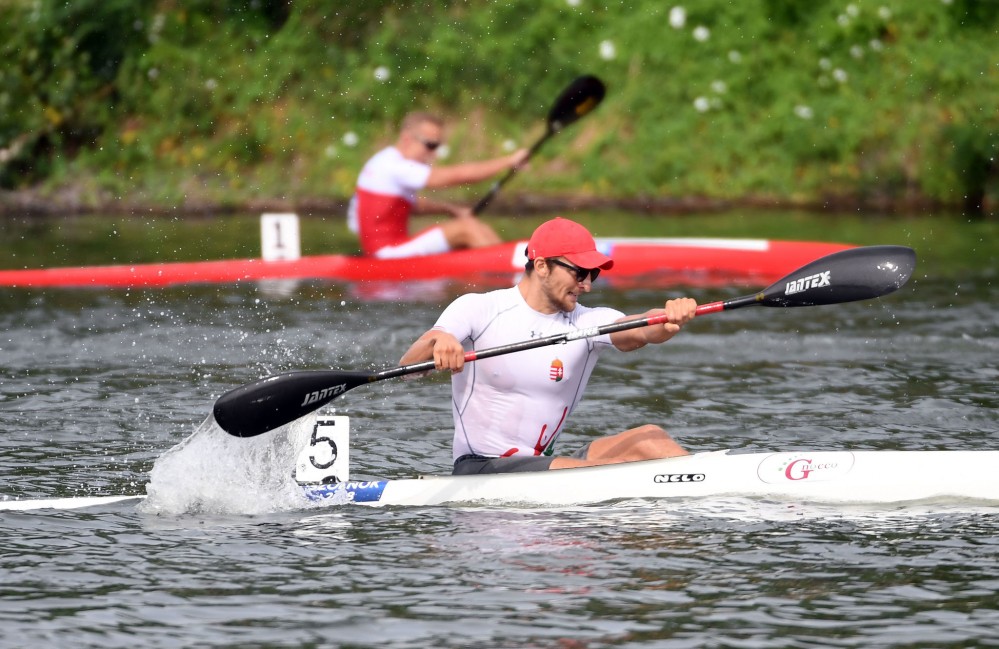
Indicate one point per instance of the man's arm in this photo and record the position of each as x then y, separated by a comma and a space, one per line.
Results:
473, 172
679, 311
426, 205
442, 347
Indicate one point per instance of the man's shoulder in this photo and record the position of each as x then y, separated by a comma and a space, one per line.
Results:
387, 155
389, 168
485, 304
497, 296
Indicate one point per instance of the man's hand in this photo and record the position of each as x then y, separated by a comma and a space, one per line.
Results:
445, 350
518, 159
679, 312
448, 352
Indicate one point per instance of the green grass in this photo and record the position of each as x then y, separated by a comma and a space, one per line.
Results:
176, 105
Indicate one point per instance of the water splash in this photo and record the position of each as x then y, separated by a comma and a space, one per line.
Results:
213, 472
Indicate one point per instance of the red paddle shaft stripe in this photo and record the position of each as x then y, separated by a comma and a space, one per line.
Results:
712, 307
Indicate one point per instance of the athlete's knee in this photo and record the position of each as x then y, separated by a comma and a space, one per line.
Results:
650, 432
456, 233
653, 441
477, 235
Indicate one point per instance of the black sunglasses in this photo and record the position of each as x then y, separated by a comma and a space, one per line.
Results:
581, 273
430, 144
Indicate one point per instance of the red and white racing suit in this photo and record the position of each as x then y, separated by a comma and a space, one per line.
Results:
383, 200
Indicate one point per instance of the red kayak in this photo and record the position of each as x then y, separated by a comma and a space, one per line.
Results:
636, 262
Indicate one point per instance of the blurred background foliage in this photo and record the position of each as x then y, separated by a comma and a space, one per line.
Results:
176, 104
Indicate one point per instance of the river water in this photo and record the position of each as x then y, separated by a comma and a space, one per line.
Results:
96, 386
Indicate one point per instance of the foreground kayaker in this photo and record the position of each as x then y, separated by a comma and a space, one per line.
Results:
387, 187
509, 410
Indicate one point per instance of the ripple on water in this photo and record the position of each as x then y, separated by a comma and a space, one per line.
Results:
96, 387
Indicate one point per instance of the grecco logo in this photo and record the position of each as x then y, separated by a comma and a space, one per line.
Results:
805, 467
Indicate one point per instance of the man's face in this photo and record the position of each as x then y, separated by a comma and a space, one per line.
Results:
561, 287
421, 141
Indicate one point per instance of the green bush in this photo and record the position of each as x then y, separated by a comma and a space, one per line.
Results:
57, 88
209, 101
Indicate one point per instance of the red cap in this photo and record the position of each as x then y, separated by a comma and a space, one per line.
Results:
564, 238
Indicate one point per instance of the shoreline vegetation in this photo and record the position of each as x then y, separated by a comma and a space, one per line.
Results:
198, 108
513, 203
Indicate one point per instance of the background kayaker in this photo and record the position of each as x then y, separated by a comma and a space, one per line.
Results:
386, 195
509, 410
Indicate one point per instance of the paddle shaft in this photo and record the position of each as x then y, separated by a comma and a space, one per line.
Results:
578, 99
477, 355
488, 198
555, 339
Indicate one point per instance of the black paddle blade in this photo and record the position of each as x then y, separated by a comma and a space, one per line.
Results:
582, 96
264, 405
845, 276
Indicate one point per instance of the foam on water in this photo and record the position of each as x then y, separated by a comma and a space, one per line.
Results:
214, 472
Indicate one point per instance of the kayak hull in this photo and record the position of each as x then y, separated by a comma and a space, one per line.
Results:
636, 260
809, 477
834, 477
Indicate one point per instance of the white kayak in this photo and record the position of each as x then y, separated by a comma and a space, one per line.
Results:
875, 477
322, 470
65, 503
827, 477
844, 477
